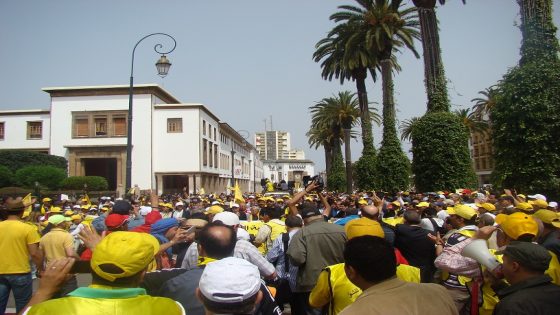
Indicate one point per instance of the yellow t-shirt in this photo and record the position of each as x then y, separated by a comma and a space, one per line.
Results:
253, 228
14, 238
55, 243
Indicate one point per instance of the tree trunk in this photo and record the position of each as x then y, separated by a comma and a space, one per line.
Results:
348, 158
389, 128
328, 157
367, 133
436, 85
538, 31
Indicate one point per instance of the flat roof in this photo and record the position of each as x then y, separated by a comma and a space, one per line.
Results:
94, 90
24, 112
188, 105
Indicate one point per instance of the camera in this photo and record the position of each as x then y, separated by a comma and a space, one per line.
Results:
317, 179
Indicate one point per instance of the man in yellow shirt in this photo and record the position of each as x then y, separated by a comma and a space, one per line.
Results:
57, 244
18, 241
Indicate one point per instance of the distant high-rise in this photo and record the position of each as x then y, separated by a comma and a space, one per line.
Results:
275, 145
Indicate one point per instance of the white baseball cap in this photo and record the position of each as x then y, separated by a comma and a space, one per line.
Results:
179, 203
144, 210
228, 218
230, 280
553, 204
537, 196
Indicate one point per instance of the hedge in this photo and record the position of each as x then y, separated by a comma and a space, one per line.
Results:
16, 159
48, 177
6, 176
95, 183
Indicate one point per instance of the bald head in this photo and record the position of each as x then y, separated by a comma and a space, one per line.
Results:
370, 211
217, 240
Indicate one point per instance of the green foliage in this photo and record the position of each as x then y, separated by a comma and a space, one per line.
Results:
441, 155
393, 167
15, 159
365, 170
336, 179
6, 176
94, 183
526, 128
47, 176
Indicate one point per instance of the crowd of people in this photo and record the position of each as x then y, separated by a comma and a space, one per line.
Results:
313, 252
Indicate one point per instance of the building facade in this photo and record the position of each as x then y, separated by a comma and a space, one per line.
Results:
291, 171
175, 147
482, 150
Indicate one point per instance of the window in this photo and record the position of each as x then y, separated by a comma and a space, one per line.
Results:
204, 127
209, 131
174, 125
1, 130
215, 134
211, 156
99, 124
119, 126
34, 129
215, 155
204, 152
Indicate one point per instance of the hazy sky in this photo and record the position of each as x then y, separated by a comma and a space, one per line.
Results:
246, 60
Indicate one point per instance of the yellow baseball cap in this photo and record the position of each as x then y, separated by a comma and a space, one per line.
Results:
362, 202
517, 224
68, 213
541, 204
214, 209
422, 204
525, 206
130, 252
76, 217
487, 206
363, 226
55, 210
47, 199
546, 216
463, 211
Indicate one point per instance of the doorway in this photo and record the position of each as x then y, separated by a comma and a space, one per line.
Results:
103, 167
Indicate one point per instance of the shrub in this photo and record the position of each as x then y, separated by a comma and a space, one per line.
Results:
48, 177
16, 159
336, 179
441, 159
6, 176
365, 171
94, 183
393, 168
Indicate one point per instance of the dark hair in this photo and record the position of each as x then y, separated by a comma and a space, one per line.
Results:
412, 217
243, 307
214, 246
372, 258
471, 221
198, 215
525, 238
294, 221
124, 282
508, 198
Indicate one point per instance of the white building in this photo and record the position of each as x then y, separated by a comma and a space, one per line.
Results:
175, 146
276, 145
291, 171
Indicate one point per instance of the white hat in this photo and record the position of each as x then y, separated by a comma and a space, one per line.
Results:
179, 203
537, 196
144, 210
230, 280
76, 206
215, 202
441, 196
235, 205
228, 218
553, 204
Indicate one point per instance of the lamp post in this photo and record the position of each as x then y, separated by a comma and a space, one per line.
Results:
253, 177
162, 66
232, 165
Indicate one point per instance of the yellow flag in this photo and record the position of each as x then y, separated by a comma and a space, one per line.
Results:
86, 199
27, 201
201, 191
238, 195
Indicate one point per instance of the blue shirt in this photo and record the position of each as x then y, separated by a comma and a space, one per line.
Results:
276, 256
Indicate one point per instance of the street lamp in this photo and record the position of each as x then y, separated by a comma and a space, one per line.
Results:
162, 66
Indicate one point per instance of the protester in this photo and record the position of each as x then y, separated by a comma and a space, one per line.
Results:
287, 272
57, 244
317, 245
271, 228
165, 231
118, 265
530, 291
550, 236
371, 266
233, 286
18, 242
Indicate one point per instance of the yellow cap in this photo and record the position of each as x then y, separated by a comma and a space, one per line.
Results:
214, 209
85, 206
129, 251
522, 196
422, 204
539, 203
487, 206
55, 210
546, 216
525, 206
362, 202
76, 217
47, 199
517, 224
68, 213
463, 211
363, 226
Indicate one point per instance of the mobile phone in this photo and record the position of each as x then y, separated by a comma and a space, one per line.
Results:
81, 266
189, 230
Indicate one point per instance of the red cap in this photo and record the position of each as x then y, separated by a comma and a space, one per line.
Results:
152, 217
115, 220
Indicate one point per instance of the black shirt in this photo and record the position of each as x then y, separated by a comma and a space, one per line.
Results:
415, 245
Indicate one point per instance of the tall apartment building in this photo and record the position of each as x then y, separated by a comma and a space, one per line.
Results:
272, 145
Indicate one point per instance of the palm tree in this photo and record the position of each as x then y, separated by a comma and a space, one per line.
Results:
483, 105
385, 27
341, 114
348, 62
472, 121
436, 86
406, 128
